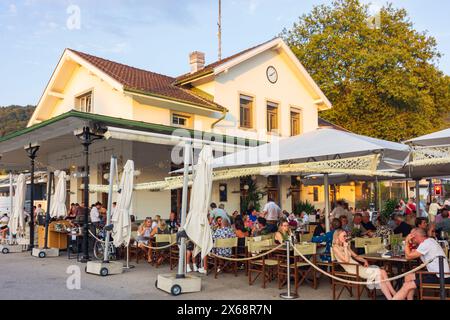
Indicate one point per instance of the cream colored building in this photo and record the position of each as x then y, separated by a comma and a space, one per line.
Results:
241, 101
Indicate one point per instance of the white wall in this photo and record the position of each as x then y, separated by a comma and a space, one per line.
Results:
106, 100
249, 78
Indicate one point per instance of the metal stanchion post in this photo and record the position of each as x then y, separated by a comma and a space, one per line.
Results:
288, 295
442, 277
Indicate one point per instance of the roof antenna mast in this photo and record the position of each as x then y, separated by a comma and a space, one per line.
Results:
219, 34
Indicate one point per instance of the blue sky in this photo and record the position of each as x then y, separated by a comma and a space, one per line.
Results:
156, 35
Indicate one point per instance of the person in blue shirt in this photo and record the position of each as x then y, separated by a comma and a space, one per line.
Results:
327, 238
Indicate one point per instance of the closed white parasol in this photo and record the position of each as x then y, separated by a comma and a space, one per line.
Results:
197, 224
58, 204
121, 216
17, 221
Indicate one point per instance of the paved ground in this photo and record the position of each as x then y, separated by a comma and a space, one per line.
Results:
26, 277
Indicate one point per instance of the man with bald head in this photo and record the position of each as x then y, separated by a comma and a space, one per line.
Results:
427, 250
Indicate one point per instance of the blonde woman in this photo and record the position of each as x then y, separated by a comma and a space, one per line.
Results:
344, 254
162, 228
143, 237
284, 233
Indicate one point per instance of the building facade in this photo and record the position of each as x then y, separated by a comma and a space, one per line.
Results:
253, 97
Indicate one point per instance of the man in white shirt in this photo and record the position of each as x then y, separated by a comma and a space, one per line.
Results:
95, 214
218, 212
272, 212
427, 250
433, 210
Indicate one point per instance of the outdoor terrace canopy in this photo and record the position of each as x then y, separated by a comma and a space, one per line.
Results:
318, 145
439, 138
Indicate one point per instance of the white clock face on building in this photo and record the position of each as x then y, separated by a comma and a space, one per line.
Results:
272, 74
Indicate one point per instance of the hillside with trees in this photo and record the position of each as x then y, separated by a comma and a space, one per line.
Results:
14, 118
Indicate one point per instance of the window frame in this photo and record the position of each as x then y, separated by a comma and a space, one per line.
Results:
187, 117
274, 105
79, 98
251, 98
299, 127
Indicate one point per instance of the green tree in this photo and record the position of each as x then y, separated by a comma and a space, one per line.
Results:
380, 74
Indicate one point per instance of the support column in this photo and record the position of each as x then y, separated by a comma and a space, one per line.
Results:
87, 137
327, 201
32, 150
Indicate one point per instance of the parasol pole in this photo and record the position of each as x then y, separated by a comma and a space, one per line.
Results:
112, 170
181, 263
47, 214
327, 201
11, 201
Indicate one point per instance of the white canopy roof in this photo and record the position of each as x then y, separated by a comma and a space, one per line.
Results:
439, 138
318, 145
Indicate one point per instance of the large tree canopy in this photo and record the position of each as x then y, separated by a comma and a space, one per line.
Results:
380, 74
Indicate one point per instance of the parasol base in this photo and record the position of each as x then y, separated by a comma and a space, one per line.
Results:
7, 248
104, 268
45, 253
288, 296
170, 284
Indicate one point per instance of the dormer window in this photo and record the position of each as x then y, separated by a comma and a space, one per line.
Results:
180, 120
84, 102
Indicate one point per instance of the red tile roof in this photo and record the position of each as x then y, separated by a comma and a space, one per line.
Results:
147, 82
210, 67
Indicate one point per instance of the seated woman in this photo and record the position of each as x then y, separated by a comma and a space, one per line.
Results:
162, 228
383, 230
241, 233
344, 254
4, 220
223, 232
284, 233
143, 236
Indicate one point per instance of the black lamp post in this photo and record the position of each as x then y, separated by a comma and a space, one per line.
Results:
32, 150
87, 137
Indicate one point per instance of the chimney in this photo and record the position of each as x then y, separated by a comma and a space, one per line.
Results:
197, 61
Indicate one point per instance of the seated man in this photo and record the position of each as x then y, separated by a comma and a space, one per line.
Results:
427, 250
327, 238
320, 229
402, 227
444, 225
261, 228
344, 224
367, 224
357, 228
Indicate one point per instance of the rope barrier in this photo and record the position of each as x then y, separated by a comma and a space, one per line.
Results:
159, 248
213, 255
149, 247
357, 282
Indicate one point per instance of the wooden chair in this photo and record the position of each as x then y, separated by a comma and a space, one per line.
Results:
174, 252
133, 248
164, 254
373, 248
299, 267
429, 291
339, 271
264, 266
222, 263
